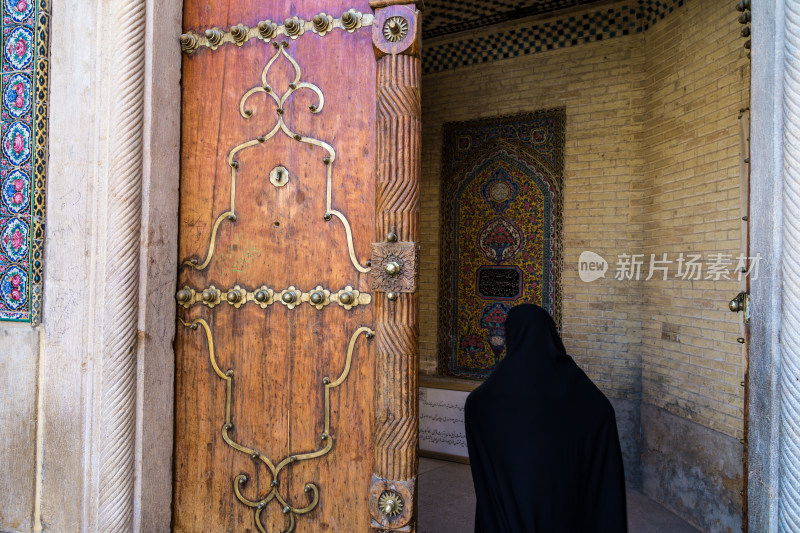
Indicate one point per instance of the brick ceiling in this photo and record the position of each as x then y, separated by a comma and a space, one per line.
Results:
443, 17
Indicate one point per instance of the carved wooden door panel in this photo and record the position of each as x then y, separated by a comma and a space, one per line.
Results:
296, 362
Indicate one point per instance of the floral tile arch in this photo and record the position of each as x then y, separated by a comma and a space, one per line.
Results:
24, 65
501, 232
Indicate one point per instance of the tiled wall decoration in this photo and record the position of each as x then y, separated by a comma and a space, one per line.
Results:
24, 65
655, 10
501, 232
596, 25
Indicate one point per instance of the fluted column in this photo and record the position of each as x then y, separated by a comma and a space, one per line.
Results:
123, 246
789, 508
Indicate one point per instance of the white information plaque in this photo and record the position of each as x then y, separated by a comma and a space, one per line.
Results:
441, 424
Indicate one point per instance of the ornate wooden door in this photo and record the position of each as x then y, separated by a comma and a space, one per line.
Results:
296, 369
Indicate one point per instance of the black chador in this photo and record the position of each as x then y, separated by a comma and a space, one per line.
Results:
543, 440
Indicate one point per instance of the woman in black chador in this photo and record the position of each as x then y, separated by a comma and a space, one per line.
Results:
542, 440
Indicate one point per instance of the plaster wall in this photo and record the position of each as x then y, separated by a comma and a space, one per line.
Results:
37, 351
692, 470
764, 447
19, 345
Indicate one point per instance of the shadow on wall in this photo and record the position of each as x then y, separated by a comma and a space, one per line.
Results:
629, 427
692, 470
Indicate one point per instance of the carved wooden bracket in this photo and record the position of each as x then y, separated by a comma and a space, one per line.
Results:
391, 503
394, 266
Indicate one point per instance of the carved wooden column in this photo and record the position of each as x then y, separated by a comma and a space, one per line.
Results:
395, 36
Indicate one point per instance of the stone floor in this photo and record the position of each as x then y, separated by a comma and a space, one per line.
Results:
447, 503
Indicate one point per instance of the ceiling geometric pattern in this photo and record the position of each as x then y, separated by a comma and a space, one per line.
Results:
598, 22
443, 17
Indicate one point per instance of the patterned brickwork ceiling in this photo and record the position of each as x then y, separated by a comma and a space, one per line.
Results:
443, 17
596, 23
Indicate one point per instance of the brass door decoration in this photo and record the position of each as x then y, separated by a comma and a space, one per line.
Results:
291, 297
266, 30
326, 438
240, 317
395, 266
280, 125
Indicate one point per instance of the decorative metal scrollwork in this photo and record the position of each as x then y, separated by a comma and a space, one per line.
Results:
326, 437
185, 296
239, 34
293, 27
214, 36
236, 296
264, 296
281, 126
267, 29
189, 42
352, 20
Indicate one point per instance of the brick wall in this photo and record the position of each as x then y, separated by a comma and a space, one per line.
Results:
601, 86
651, 166
697, 83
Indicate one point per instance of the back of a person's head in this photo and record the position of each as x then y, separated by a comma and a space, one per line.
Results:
529, 327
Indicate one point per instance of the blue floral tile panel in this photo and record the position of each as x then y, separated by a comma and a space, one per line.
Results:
23, 156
